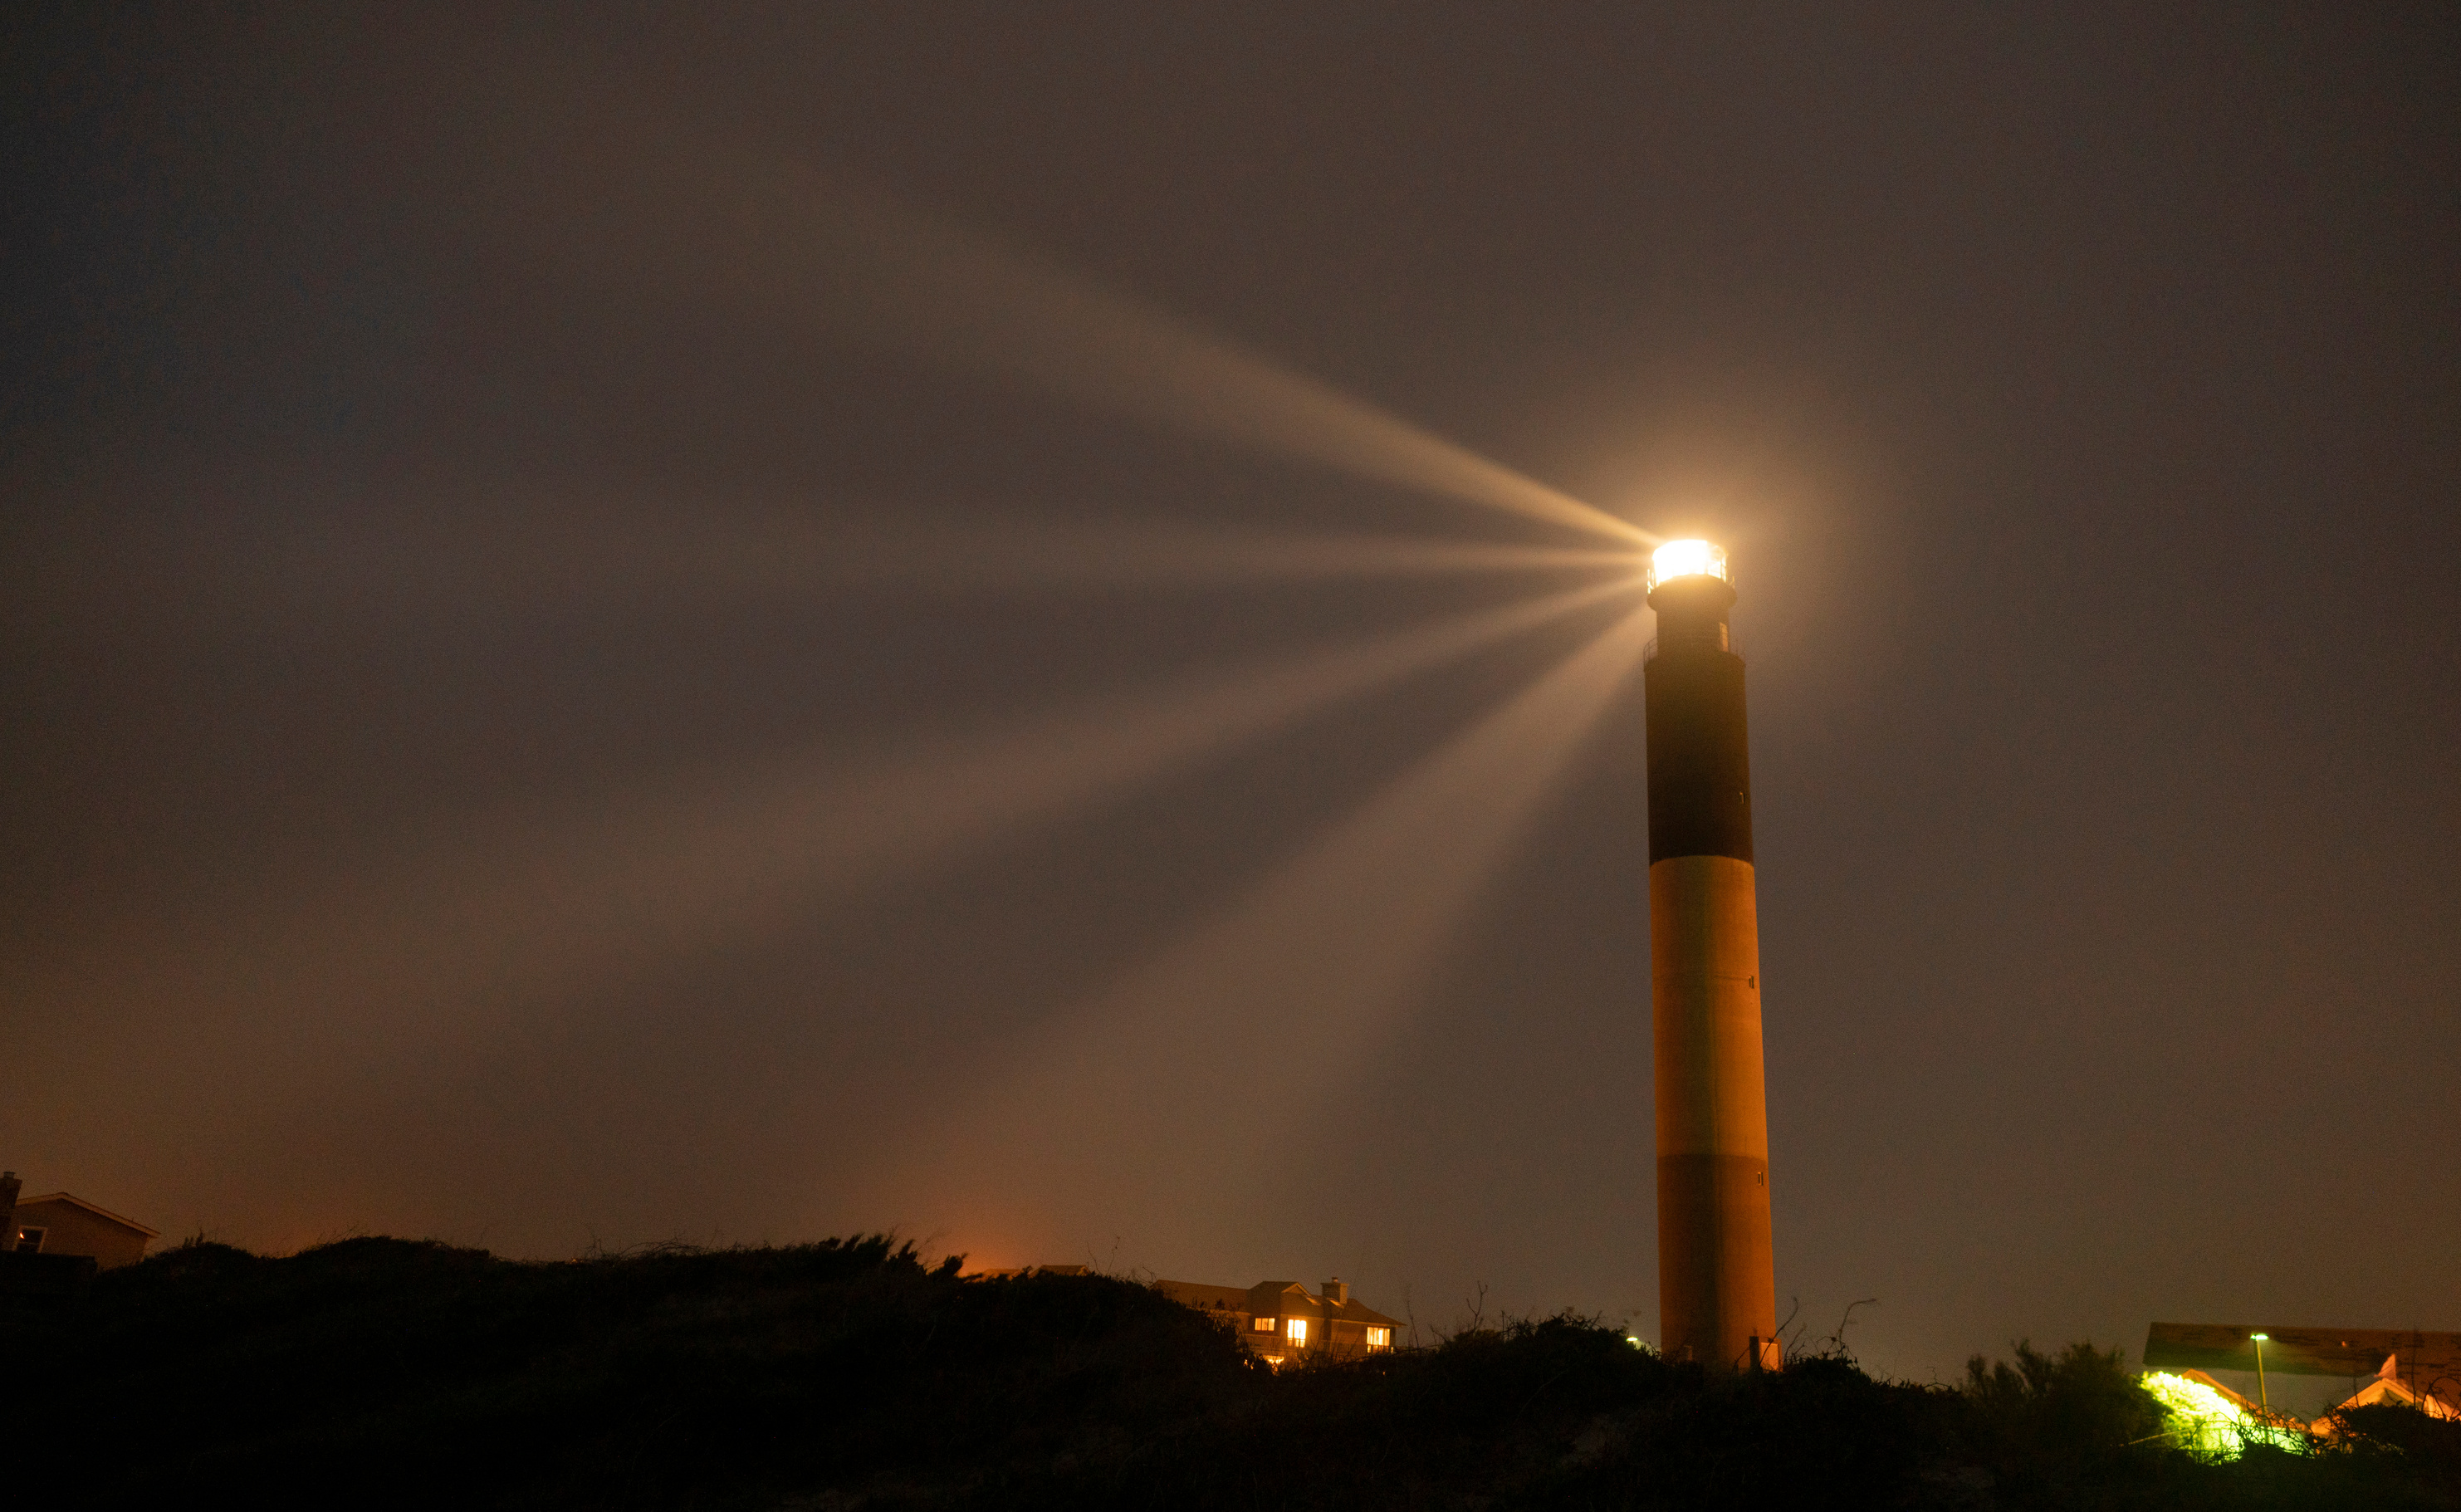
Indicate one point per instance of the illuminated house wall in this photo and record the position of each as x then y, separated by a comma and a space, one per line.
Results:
1283, 1322
57, 1224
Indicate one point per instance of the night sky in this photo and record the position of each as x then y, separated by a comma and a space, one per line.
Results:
738, 624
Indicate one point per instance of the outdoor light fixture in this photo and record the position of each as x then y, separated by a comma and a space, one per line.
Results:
1687, 558
2261, 1400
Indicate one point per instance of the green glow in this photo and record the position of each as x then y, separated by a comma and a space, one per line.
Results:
2203, 1421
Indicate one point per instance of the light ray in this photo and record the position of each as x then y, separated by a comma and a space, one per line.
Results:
508, 919
829, 249
478, 569
934, 286
1184, 1076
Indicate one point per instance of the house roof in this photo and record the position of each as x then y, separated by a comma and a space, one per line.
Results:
1198, 1294
2302, 1349
129, 1223
1264, 1299
1361, 1313
2388, 1388
1271, 1297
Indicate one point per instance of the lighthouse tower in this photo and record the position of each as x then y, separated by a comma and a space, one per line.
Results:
1717, 1289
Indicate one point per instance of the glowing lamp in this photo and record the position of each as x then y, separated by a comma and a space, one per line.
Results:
1687, 558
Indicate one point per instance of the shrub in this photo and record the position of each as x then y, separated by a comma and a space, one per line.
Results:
852, 1374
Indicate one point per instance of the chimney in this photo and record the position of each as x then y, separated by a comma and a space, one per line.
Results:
8, 1188
1338, 1292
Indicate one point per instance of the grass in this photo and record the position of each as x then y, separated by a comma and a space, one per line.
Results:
378, 1372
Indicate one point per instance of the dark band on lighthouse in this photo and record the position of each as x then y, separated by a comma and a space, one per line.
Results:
1717, 1283
1699, 767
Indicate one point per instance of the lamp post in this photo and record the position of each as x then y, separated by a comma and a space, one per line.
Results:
2261, 1400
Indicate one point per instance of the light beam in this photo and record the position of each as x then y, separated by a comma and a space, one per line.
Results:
519, 915
1196, 1069
852, 257
529, 565
963, 298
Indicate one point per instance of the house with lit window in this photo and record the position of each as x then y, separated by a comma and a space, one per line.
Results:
1282, 1323
61, 1224
52, 1245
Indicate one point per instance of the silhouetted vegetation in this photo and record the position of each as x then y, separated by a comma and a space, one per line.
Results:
381, 1373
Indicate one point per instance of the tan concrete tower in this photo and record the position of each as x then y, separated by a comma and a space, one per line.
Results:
1717, 1288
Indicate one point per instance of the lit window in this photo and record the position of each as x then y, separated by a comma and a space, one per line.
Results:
1267, 1325
30, 1239
1298, 1331
1380, 1338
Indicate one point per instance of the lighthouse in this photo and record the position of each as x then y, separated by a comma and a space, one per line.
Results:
1717, 1288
